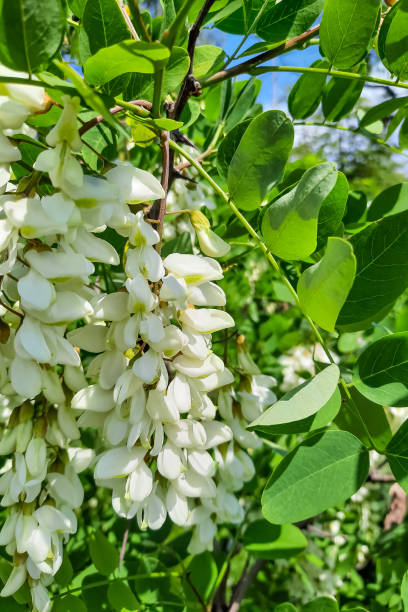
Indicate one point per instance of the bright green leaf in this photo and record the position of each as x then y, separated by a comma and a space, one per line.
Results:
206, 58
30, 32
203, 573
103, 554
332, 211
285, 607
380, 111
321, 604
404, 591
341, 95
347, 29
324, 287
364, 419
289, 225
300, 403
392, 40
391, 201
397, 455
305, 95
120, 596
288, 19
126, 56
381, 251
260, 158
229, 145
323, 471
69, 603
380, 373
266, 541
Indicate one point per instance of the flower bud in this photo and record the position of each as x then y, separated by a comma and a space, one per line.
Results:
210, 243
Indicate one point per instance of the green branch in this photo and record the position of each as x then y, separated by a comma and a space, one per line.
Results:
254, 71
364, 133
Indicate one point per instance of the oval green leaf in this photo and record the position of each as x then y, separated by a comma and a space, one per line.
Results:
380, 373
288, 19
392, 40
323, 471
299, 404
30, 32
381, 251
397, 455
289, 225
266, 541
321, 604
305, 95
104, 555
324, 287
347, 29
391, 201
258, 162
126, 56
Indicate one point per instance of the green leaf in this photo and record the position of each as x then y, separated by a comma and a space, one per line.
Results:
299, 404
288, 19
289, 225
206, 59
391, 201
305, 95
203, 573
381, 251
403, 135
69, 603
324, 287
321, 604
392, 40
332, 211
120, 596
260, 158
244, 101
65, 573
126, 56
397, 455
347, 29
31, 32
383, 110
103, 554
266, 541
341, 95
229, 145
355, 207
285, 607
103, 25
364, 419
380, 373
141, 85
321, 472
404, 591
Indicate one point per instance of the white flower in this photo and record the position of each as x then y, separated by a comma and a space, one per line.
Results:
210, 243
194, 269
16, 580
134, 185
206, 320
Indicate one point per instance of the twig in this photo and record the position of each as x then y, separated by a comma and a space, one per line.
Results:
123, 547
243, 585
191, 86
260, 59
137, 105
158, 210
128, 22
196, 593
18, 314
138, 19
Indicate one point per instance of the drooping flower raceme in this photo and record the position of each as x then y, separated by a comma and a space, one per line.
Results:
172, 428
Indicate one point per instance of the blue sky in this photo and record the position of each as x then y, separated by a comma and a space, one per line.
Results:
275, 85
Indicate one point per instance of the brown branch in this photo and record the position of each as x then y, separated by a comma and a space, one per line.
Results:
396, 514
243, 585
15, 312
246, 67
191, 86
128, 21
123, 547
141, 105
158, 210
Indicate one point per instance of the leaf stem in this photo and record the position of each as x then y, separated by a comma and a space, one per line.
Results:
139, 21
247, 67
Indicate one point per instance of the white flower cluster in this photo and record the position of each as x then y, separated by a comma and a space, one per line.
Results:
151, 386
